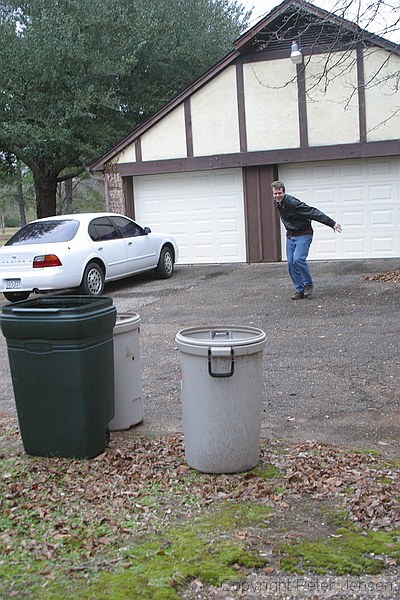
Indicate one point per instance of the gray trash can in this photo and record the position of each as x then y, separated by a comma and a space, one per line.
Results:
221, 393
127, 372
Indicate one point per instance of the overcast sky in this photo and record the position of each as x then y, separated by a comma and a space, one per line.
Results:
380, 26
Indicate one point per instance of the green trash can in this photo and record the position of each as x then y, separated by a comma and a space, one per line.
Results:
60, 350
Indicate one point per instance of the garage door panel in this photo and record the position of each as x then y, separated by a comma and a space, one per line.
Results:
176, 205
184, 253
210, 227
383, 244
324, 196
228, 227
351, 195
355, 247
228, 251
364, 198
351, 169
381, 193
379, 167
153, 207
353, 219
202, 227
382, 217
178, 228
326, 248
198, 205
226, 202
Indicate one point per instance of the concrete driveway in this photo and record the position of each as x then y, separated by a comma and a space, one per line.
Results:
331, 363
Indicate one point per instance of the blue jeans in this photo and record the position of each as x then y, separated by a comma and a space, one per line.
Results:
297, 248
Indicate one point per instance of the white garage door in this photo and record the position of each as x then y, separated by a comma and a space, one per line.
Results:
203, 210
362, 195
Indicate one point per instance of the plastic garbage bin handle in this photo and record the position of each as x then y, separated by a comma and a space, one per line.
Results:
225, 374
35, 310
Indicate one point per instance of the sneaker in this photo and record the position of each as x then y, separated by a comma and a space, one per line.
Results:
298, 296
308, 290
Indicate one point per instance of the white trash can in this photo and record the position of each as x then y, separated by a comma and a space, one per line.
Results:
127, 373
221, 393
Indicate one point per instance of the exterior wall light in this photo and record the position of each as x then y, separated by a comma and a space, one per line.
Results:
295, 54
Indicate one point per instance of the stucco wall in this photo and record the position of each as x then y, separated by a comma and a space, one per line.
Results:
272, 110
167, 138
214, 114
382, 94
332, 99
127, 155
271, 105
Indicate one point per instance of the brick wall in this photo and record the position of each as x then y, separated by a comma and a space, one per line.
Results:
116, 198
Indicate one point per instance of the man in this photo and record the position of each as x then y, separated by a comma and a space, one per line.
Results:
296, 217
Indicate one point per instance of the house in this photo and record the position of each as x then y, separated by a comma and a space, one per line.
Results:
329, 127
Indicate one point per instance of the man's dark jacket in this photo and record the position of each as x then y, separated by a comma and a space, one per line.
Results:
296, 216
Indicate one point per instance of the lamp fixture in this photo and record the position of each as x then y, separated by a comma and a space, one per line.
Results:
295, 54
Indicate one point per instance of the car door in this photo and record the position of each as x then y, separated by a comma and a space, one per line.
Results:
141, 247
109, 245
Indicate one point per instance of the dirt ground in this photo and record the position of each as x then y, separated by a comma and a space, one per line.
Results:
330, 366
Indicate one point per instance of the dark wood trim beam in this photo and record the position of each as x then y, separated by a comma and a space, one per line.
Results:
302, 105
266, 55
269, 157
188, 127
138, 151
129, 194
241, 108
261, 218
362, 115
252, 211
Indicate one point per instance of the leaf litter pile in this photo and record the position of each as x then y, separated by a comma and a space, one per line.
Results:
79, 517
388, 276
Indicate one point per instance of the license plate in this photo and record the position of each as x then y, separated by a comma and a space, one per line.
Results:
13, 284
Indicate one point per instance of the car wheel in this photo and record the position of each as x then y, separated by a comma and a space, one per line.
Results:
92, 280
16, 296
165, 266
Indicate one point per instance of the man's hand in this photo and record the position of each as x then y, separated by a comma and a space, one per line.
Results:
337, 228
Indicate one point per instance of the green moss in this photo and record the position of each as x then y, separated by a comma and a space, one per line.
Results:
267, 472
350, 552
338, 518
368, 452
232, 516
160, 566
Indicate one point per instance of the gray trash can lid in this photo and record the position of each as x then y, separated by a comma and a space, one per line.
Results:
244, 340
126, 322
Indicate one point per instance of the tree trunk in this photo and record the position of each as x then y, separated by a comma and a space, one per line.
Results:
20, 193
45, 190
68, 196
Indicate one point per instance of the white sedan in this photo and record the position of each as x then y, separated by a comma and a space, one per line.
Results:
81, 251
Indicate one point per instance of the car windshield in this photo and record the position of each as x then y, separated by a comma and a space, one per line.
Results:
61, 230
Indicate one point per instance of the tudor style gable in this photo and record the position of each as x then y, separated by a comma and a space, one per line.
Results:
216, 146
256, 100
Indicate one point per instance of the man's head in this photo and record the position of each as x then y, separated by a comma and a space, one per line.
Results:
278, 191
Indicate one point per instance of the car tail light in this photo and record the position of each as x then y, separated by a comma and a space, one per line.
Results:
46, 260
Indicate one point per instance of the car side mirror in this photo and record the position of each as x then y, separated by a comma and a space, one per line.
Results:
146, 230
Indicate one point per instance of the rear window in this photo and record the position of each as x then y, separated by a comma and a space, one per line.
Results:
45, 231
